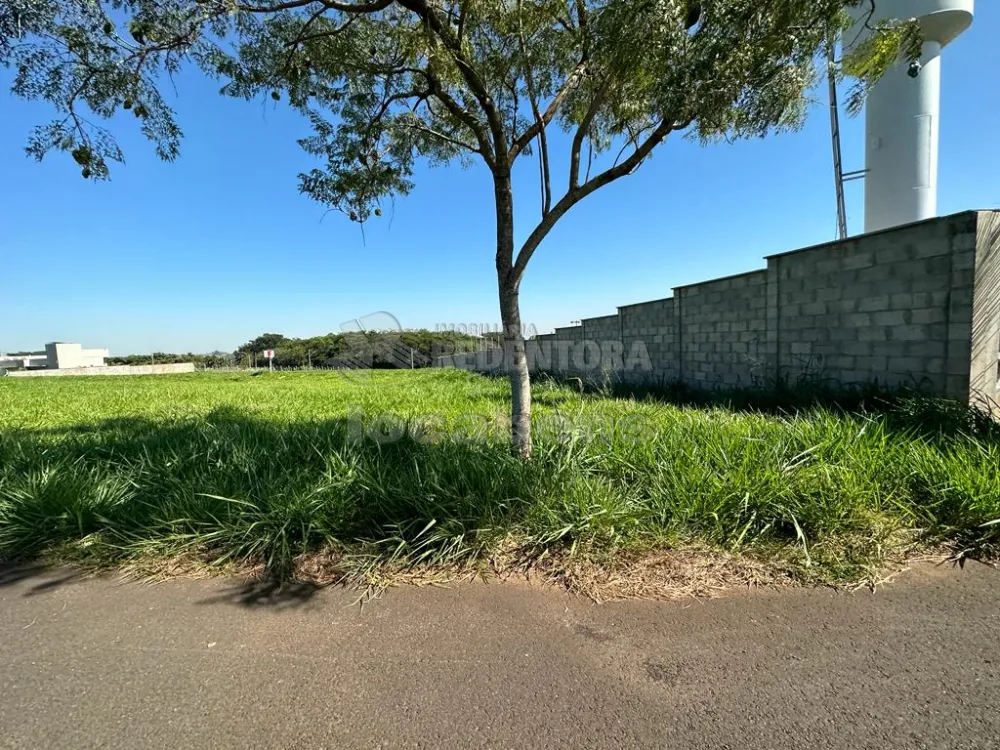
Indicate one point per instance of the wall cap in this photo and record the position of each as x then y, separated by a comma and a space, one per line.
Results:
888, 230
722, 278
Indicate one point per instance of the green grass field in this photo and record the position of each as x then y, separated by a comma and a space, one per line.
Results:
411, 468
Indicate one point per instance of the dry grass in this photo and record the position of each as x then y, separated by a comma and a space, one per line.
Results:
651, 575
666, 576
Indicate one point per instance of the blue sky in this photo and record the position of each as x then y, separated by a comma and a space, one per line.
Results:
218, 247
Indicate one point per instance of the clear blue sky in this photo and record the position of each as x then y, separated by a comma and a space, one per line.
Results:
218, 247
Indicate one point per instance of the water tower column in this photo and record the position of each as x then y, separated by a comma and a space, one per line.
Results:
902, 118
901, 149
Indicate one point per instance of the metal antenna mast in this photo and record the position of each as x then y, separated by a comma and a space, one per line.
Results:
838, 166
839, 175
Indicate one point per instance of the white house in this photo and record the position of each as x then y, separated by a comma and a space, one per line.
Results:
57, 356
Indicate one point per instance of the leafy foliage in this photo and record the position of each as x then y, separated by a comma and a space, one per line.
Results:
385, 82
380, 349
210, 360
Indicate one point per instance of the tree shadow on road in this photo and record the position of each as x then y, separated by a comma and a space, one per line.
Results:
40, 578
268, 594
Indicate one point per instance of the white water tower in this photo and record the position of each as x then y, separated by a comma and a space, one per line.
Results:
902, 117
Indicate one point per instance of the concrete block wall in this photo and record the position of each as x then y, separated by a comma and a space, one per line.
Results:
567, 355
917, 305
653, 327
893, 306
722, 331
539, 352
603, 352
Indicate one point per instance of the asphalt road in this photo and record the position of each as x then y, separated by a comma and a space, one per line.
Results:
90, 663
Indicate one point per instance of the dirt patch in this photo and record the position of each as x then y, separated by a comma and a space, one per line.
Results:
662, 575
670, 575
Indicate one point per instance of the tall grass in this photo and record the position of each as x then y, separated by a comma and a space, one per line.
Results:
405, 468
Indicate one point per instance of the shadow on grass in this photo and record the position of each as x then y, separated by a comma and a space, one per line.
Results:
234, 488
909, 410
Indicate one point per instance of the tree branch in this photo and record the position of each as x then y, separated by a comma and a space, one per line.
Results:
462, 10
539, 126
462, 114
471, 76
372, 6
303, 37
583, 131
541, 121
387, 102
576, 194
444, 137
633, 140
582, 22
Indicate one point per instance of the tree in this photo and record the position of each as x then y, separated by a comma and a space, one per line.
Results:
386, 82
377, 349
259, 345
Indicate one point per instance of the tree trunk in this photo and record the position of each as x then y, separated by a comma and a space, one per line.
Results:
515, 359
516, 362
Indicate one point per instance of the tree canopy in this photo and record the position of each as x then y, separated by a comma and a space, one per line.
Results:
385, 83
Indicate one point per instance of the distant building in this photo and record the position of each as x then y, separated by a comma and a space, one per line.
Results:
57, 356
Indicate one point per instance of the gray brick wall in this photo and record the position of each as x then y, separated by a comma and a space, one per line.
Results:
650, 327
916, 305
723, 331
606, 333
880, 307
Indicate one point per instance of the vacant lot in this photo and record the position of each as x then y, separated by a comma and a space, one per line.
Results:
409, 470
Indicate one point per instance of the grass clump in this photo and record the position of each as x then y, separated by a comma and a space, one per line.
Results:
404, 470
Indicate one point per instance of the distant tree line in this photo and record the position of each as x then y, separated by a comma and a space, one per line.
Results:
213, 359
377, 349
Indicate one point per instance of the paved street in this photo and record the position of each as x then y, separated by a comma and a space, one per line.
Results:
94, 663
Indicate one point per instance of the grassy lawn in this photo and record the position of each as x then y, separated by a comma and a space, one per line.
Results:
409, 469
